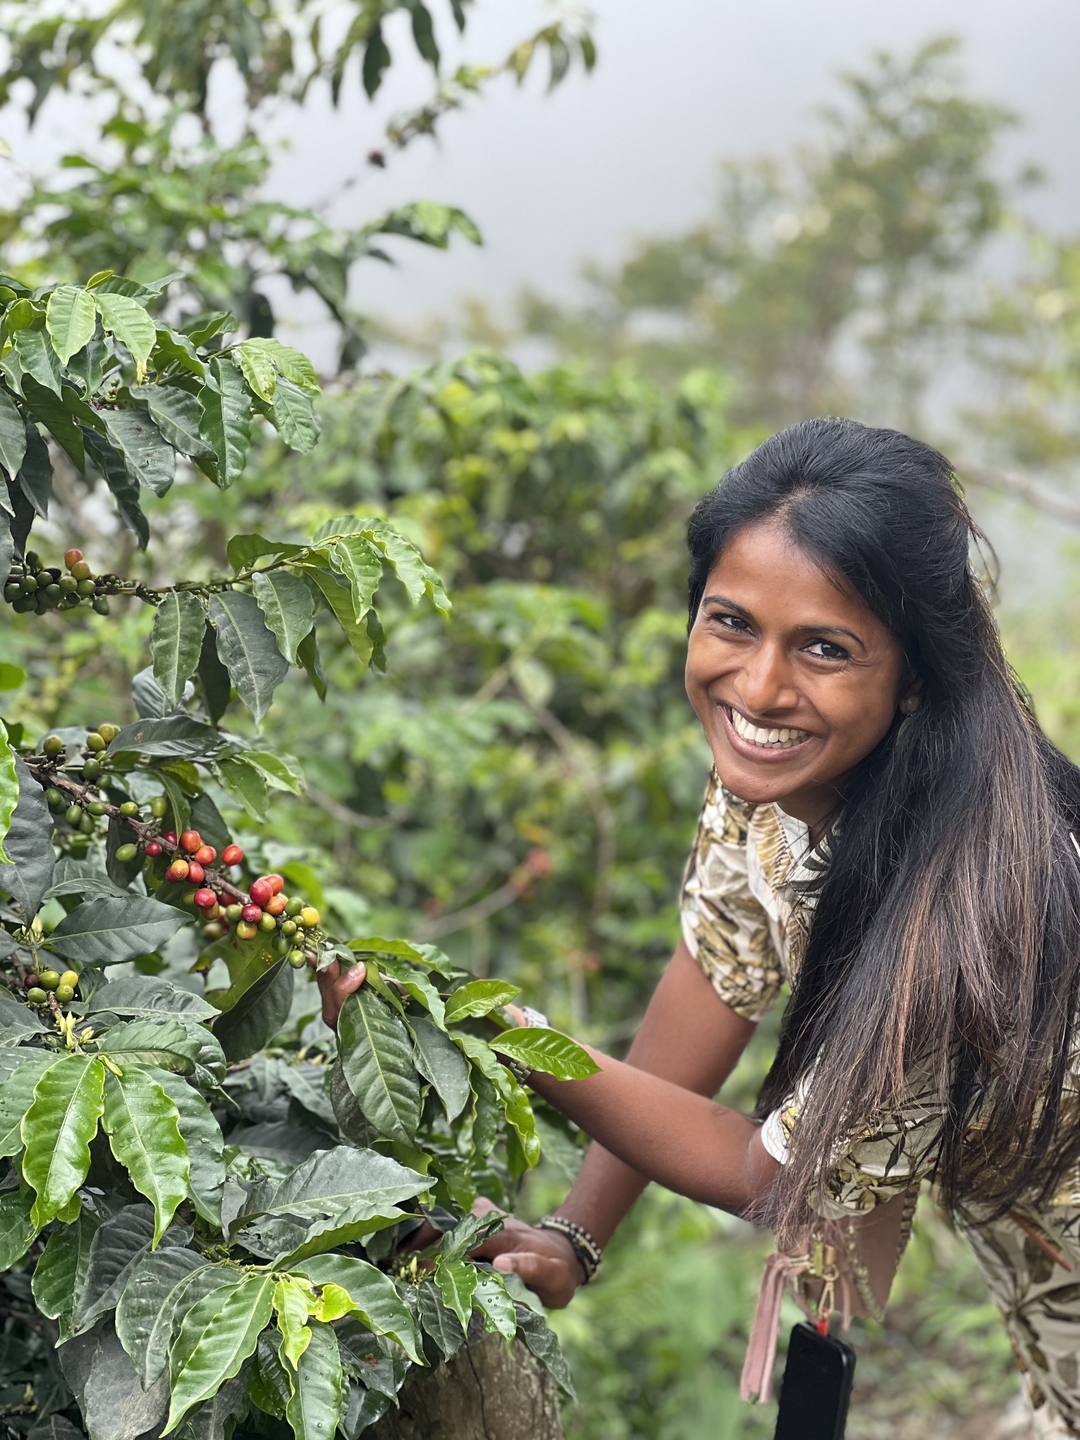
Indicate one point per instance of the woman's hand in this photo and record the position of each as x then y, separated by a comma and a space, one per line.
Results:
335, 987
544, 1259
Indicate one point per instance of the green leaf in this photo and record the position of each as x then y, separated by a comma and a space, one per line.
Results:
361, 564
292, 364
307, 653
315, 1403
288, 605
158, 1293
57, 1130
258, 368
176, 414
143, 1127
376, 60
213, 677
255, 664
258, 1014
120, 1244
27, 838
439, 1060
107, 930
9, 790
479, 997
378, 1304
340, 1182
278, 770
175, 737
438, 1320
217, 1336
12, 677
338, 595
547, 1050
61, 1271
201, 1134
376, 1055
245, 785
35, 475
544, 1344
293, 1302
70, 319
147, 454
456, 1282
17, 1228
125, 318
496, 1306
244, 550
41, 373
226, 420
293, 416
12, 436
176, 642
16, 1094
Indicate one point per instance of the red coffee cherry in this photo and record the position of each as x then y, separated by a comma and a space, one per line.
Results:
178, 870
261, 892
277, 882
153, 849
195, 873
252, 914
205, 898
206, 854
232, 855
190, 841
169, 837
276, 904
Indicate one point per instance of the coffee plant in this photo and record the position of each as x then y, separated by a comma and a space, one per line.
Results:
213, 1211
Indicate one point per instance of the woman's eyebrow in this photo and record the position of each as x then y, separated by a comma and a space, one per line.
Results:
727, 604
738, 609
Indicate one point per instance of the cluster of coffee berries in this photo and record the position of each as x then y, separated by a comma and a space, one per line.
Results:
32, 586
39, 986
84, 815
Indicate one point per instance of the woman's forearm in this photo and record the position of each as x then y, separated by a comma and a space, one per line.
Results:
682, 1140
688, 1036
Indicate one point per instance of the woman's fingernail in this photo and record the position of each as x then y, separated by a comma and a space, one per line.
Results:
503, 1262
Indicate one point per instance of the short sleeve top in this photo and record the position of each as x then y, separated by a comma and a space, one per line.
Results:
747, 904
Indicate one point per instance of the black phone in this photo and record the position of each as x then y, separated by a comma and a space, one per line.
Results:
816, 1388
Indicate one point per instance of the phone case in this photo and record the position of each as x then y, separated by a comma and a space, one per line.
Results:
816, 1388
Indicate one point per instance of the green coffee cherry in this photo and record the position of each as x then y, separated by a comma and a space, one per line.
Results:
94, 741
91, 769
158, 807
108, 732
32, 560
294, 906
86, 825
36, 996
101, 605
68, 585
288, 927
28, 584
73, 815
268, 923
12, 590
48, 979
85, 587
54, 799
53, 595
64, 993
296, 959
129, 808
52, 745
23, 605
98, 807
126, 853
70, 977
234, 912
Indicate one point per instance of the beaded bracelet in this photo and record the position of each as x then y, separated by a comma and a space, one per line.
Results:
589, 1254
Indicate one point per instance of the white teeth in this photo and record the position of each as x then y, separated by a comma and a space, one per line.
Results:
777, 739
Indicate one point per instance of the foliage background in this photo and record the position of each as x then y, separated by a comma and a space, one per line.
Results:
522, 786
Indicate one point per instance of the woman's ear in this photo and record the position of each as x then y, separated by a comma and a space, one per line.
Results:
910, 695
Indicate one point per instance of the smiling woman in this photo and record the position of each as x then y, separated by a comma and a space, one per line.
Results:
888, 831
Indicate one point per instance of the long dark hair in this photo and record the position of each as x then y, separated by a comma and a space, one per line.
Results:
946, 937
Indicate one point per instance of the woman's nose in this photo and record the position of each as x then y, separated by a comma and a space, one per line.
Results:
766, 682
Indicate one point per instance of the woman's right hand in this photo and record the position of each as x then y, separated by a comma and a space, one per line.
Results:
544, 1259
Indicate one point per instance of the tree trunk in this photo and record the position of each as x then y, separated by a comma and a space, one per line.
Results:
486, 1391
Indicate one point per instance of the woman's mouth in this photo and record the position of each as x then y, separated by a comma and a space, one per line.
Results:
776, 738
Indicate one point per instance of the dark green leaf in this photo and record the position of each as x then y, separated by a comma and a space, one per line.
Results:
148, 455
12, 436
17, 1228
109, 930
174, 736
125, 489
146, 997
176, 414
115, 1406
57, 1130
315, 1402
244, 550
307, 653
439, 1060
213, 677
217, 1336
251, 656
226, 420
61, 1272
35, 475
28, 842
438, 1321
258, 1015
39, 364
376, 1055
288, 606
544, 1344
158, 1292
56, 414
293, 416
456, 1280
376, 61
117, 1247
17, 1092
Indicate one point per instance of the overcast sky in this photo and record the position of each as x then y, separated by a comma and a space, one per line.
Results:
632, 149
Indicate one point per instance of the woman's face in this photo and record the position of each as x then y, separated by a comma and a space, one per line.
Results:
793, 678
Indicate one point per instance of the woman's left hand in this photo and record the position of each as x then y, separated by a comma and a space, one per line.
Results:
335, 987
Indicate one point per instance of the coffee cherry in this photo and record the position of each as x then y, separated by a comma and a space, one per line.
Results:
158, 807
73, 815
49, 979
95, 741
206, 854
12, 591
214, 911
277, 883
85, 588
98, 807
309, 917
246, 931
28, 584
261, 892
23, 605
204, 898
288, 927
32, 560
169, 837
267, 923
101, 605
294, 906
177, 871
72, 557
86, 825
276, 904
125, 853
252, 914
232, 855
129, 809
190, 841
70, 977
213, 931
54, 799
234, 912
31, 981
297, 959
68, 585
64, 993
108, 732
196, 874
153, 849
91, 769
36, 996
282, 945
52, 745
81, 570
53, 595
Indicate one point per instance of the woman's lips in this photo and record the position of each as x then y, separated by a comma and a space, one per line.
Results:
774, 743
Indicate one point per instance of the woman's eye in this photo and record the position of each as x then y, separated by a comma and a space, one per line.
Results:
735, 623
826, 650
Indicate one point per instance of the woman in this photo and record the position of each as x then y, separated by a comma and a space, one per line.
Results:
888, 831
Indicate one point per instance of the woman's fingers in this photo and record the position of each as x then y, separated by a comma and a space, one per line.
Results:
552, 1279
335, 987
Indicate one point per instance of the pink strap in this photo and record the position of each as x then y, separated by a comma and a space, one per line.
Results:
756, 1383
